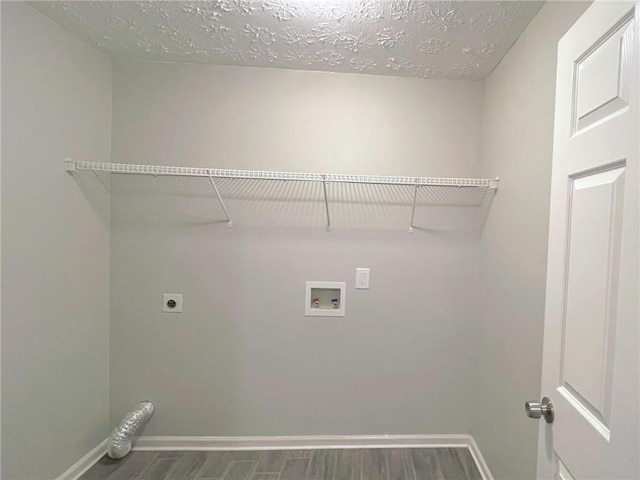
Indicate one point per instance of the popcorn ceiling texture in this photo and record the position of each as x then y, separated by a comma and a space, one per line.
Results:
412, 38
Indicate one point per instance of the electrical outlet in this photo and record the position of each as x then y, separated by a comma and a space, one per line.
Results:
172, 302
362, 278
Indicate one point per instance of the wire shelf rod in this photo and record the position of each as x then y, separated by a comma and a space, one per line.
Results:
413, 208
224, 207
326, 205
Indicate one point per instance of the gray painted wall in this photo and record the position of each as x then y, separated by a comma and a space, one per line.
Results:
517, 138
56, 102
243, 359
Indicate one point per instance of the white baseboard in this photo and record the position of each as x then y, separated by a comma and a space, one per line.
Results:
303, 442
316, 441
479, 459
85, 463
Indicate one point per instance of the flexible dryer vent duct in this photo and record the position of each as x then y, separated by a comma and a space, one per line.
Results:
131, 424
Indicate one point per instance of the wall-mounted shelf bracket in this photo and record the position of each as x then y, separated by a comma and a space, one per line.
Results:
69, 165
413, 208
326, 202
224, 207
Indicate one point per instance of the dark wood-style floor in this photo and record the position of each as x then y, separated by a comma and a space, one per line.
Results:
347, 464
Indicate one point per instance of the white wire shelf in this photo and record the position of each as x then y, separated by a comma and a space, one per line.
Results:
482, 186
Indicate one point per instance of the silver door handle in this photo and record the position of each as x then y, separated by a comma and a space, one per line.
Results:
542, 409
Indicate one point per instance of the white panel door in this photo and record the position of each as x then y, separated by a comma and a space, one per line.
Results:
591, 363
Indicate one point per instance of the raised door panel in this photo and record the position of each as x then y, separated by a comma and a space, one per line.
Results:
602, 77
593, 253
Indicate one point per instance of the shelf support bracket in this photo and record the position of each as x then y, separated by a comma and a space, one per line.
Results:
224, 207
326, 201
413, 209
69, 165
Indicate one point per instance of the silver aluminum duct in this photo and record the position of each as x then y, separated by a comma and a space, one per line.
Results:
134, 421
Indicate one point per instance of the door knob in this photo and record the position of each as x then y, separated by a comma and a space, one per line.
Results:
542, 409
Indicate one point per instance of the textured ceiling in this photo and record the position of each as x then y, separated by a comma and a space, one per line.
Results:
413, 38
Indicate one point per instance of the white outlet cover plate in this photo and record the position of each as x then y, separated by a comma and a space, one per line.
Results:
176, 297
362, 278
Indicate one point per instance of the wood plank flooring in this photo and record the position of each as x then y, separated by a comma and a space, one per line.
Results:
328, 464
